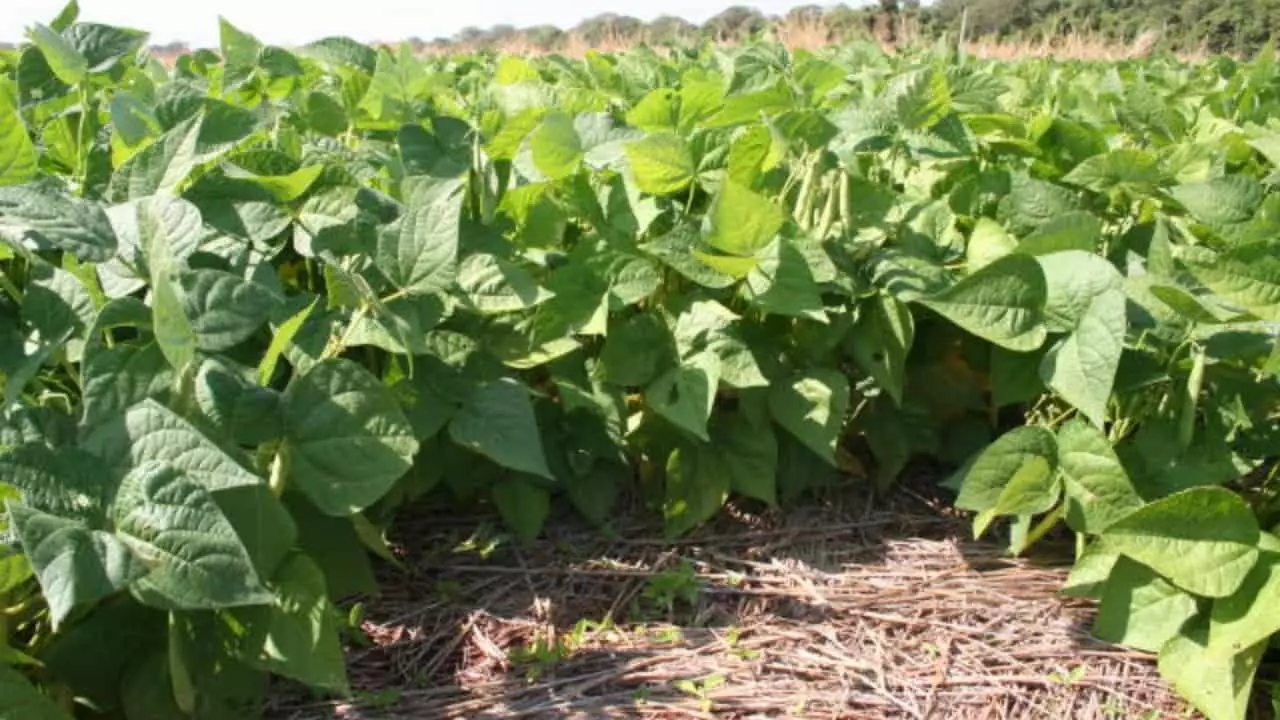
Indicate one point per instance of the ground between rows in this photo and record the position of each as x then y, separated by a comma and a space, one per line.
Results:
854, 609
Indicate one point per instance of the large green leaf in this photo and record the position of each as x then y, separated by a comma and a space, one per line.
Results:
497, 421
742, 221
224, 309
346, 439
195, 559
698, 483
76, 566
491, 285
298, 635
1002, 303
66, 62
1016, 474
1086, 297
749, 453
881, 340
1204, 540
662, 164
1248, 276
162, 166
1217, 682
781, 282
17, 154
419, 251
812, 406
1097, 486
556, 148
1248, 616
150, 432
78, 226
686, 394
1140, 609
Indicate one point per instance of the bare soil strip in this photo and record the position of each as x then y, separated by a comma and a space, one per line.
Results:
884, 612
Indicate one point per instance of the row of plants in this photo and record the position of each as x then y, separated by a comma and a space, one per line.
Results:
257, 303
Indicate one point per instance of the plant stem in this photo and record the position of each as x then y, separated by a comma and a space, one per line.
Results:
1047, 523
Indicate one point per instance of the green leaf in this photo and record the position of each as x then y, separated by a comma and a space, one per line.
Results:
698, 483
1031, 203
685, 395
812, 406
174, 333
676, 250
261, 522
76, 566
662, 163
297, 637
1248, 276
524, 506
66, 482
77, 226
222, 309
741, 221
881, 340
283, 337
1125, 168
149, 432
1016, 474
63, 58
1218, 683
1002, 303
708, 325
781, 282
284, 188
418, 253
17, 154
749, 453
1097, 486
491, 285
498, 422
1248, 616
1221, 202
637, 351
1140, 609
22, 701
1085, 297
120, 377
346, 441
556, 148
1204, 540
239, 49
1069, 231
161, 167
196, 561
987, 243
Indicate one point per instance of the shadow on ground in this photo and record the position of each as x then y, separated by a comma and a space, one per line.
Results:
869, 611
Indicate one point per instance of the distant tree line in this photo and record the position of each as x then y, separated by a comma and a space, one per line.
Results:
1238, 26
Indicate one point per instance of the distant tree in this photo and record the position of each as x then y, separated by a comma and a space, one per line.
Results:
805, 13
544, 37
470, 35
670, 30
606, 26
736, 23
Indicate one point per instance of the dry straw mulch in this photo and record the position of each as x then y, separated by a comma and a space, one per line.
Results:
879, 612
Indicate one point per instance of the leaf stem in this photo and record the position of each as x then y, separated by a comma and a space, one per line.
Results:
1047, 523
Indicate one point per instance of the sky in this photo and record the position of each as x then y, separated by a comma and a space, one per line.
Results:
290, 22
